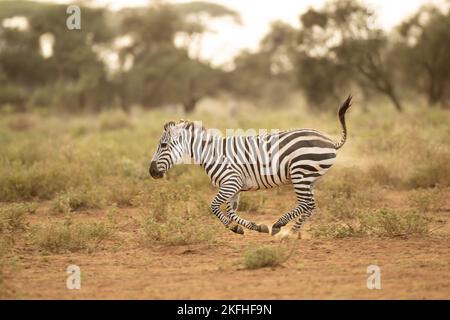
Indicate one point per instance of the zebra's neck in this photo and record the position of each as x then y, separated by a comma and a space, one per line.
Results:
202, 146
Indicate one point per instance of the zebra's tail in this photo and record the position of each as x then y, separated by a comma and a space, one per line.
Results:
344, 107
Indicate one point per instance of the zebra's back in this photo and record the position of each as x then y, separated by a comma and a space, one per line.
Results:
267, 161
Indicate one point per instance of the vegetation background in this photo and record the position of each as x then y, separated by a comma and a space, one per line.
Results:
77, 132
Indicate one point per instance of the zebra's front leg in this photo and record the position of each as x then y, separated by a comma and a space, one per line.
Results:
226, 192
232, 206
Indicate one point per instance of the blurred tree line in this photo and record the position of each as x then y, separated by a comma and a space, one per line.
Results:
150, 57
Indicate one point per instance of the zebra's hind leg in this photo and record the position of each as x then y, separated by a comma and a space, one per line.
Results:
305, 206
301, 220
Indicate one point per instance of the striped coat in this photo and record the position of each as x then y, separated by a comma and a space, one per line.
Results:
244, 163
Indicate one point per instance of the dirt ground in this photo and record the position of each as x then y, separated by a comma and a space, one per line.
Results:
411, 267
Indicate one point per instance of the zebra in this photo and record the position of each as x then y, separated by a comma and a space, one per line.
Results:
235, 164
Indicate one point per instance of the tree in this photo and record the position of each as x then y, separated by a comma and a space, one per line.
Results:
266, 75
424, 49
163, 72
73, 75
340, 41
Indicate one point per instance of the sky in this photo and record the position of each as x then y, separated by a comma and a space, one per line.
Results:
226, 38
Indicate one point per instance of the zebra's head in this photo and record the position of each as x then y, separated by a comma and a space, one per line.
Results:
169, 151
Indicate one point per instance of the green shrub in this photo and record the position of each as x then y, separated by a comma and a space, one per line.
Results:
265, 256
381, 223
342, 206
176, 217
431, 172
19, 183
12, 216
176, 230
428, 199
70, 236
77, 200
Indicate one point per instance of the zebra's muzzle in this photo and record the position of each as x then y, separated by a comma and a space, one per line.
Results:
153, 170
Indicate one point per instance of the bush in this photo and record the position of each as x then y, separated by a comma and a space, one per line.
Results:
177, 217
431, 172
428, 199
70, 236
176, 230
12, 222
263, 257
12, 217
381, 223
77, 200
341, 205
32, 182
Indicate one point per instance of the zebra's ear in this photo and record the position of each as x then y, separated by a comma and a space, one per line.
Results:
168, 125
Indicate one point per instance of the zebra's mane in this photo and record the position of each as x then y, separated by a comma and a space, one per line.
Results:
184, 124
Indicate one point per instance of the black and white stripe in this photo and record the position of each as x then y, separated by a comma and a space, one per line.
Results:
243, 163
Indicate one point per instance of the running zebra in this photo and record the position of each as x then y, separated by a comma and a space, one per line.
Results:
243, 163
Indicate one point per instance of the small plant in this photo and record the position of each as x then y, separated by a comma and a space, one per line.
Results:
390, 223
12, 217
381, 223
265, 256
70, 236
431, 172
176, 230
426, 200
335, 231
177, 219
342, 206
77, 200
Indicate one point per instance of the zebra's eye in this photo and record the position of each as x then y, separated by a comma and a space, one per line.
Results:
163, 145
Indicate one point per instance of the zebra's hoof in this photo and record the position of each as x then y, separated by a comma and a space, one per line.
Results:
275, 230
237, 229
263, 228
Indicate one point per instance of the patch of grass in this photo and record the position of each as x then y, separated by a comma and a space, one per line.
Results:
21, 122
176, 230
343, 205
124, 194
381, 223
335, 231
70, 236
12, 216
252, 204
77, 200
431, 172
432, 199
346, 181
177, 217
381, 174
12, 223
264, 256
115, 120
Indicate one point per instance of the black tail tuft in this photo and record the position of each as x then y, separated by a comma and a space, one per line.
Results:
342, 110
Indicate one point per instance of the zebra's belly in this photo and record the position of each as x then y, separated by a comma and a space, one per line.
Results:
267, 182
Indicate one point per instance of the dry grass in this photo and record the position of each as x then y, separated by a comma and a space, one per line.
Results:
380, 223
70, 236
90, 163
